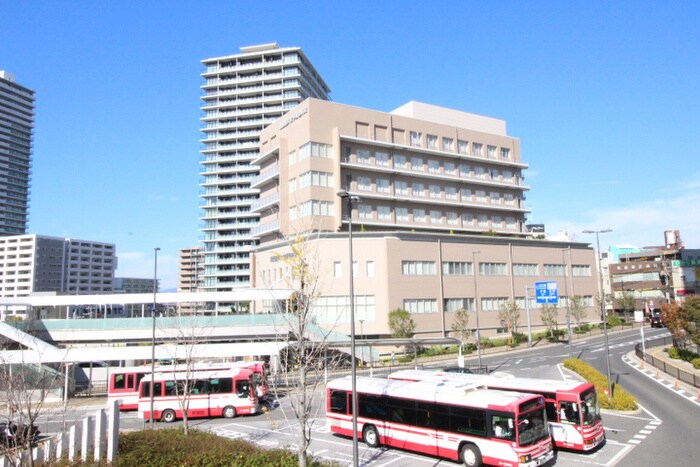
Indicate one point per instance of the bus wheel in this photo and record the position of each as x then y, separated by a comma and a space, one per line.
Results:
229, 411
470, 455
168, 416
371, 436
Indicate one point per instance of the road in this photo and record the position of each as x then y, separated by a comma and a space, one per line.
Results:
661, 432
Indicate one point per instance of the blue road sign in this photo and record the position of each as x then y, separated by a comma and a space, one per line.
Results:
546, 292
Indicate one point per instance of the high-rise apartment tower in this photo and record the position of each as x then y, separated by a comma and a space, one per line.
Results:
16, 128
243, 93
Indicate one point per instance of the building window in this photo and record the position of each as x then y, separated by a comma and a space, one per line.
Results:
415, 138
382, 159
292, 158
314, 178
316, 208
364, 157
455, 304
292, 185
450, 168
364, 183
400, 162
383, 185
447, 144
493, 269
480, 196
384, 213
337, 269
435, 216
401, 188
581, 270
482, 220
511, 223
435, 191
402, 215
495, 197
554, 270
315, 150
419, 216
365, 211
417, 163
452, 218
466, 194
525, 269
465, 171
505, 153
451, 193
457, 268
418, 268
508, 199
432, 142
433, 166
420, 305
479, 172
292, 213
491, 152
418, 189
369, 268
462, 146
493, 303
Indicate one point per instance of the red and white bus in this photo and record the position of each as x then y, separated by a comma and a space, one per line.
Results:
218, 393
259, 369
466, 422
573, 410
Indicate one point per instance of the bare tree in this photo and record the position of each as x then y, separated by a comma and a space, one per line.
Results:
510, 313
578, 310
460, 327
548, 315
626, 303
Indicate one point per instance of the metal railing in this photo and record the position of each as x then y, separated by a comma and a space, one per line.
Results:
668, 368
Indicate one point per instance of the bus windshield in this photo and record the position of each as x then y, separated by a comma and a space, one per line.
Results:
590, 407
532, 427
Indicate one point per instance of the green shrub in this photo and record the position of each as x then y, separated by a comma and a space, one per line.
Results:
614, 321
674, 353
621, 399
584, 328
696, 363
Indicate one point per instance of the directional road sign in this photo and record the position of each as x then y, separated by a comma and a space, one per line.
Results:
546, 292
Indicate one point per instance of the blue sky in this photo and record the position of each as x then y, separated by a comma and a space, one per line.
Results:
604, 97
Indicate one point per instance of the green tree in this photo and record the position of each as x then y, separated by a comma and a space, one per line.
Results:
548, 315
626, 303
460, 327
401, 324
691, 307
676, 320
578, 309
510, 313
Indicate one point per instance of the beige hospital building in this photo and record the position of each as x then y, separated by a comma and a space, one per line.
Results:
437, 214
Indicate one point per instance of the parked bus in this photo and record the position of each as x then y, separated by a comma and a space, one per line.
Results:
123, 382
259, 369
462, 422
217, 393
572, 407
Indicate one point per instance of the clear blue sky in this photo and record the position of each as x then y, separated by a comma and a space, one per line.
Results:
603, 96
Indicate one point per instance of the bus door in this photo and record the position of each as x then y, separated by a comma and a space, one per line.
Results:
567, 433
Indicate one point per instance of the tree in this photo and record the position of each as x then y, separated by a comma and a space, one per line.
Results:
691, 307
460, 327
578, 310
401, 324
548, 315
626, 303
510, 313
676, 320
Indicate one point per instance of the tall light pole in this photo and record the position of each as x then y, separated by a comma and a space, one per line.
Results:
568, 305
153, 331
343, 194
475, 270
603, 314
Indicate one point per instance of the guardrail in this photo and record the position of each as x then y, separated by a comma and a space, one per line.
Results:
672, 370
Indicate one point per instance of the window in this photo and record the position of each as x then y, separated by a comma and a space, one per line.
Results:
525, 269
402, 215
509, 199
493, 269
479, 172
415, 138
452, 218
292, 185
435, 191
384, 213
314, 178
292, 157
292, 213
511, 223
462, 146
495, 197
363, 156
482, 220
369, 268
450, 168
581, 270
505, 153
416, 163
400, 162
554, 270
339, 402
418, 268
454, 304
418, 189
432, 142
315, 150
457, 268
466, 194
465, 171
383, 185
433, 166
364, 183
316, 208
491, 152
507, 176
337, 269
365, 211
493, 304
447, 144
381, 159
420, 305
401, 188
496, 221
476, 149
451, 193
435, 216
480, 196
419, 215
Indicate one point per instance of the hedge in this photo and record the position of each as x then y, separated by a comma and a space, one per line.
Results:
621, 400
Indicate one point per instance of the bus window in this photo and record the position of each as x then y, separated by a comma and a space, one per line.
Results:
503, 427
568, 413
339, 402
243, 388
119, 381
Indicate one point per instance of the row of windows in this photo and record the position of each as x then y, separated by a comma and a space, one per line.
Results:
477, 149
430, 305
311, 149
456, 268
434, 216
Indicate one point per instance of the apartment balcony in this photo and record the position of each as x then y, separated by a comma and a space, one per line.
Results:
270, 173
262, 229
265, 202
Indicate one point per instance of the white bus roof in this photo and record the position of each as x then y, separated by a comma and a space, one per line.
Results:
232, 372
467, 394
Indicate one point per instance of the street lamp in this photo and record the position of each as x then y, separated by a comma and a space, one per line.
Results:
343, 194
476, 307
153, 333
568, 307
603, 314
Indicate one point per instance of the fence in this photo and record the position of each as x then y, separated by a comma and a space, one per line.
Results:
97, 435
678, 373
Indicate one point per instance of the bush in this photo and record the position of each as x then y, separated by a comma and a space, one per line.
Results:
584, 328
674, 353
621, 399
696, 363
614, 321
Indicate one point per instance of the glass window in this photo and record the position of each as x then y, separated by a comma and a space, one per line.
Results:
433, 166
363, 156
419, 215
401, 188
435, 191
432, 141
416, 163
384, 213
525, 269
364, 183
402, 214
457, 268
435, 216
420, 305
466, 194
415, 138
452, 218
462, 146
382, 159
418, 268
505, 153
491, 152
554, 270
476, 149
400, 161
383, 185
450, 168
365, 211
447, 144
492, 269
465, 170
418, 189
450, 193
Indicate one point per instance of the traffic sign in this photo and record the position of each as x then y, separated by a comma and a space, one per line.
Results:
546, 292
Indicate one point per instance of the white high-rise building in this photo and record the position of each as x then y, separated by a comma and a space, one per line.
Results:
16, 132
243, 93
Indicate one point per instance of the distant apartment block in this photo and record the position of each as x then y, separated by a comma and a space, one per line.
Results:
35, 263
243, 93
133, 285
191, 269
16, 133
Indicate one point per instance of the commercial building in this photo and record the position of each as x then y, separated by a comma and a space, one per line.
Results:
133, 285
243, 93
16, 130
32, 263
439, 217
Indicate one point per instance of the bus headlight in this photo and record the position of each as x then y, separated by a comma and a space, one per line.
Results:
525, 458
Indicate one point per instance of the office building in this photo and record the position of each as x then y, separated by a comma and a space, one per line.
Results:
133, 285
438, 225
243, 93
16, 133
